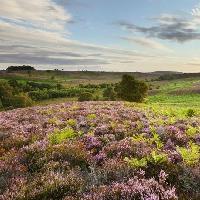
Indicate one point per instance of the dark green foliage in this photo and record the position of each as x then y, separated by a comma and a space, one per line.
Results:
39, 95
17, 101
85, 96
41, 86
5, 89
109, 94
20, 68
131, 90
175, 76
11, 98
190, 113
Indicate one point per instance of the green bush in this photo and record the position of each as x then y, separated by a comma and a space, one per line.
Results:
85, 96
109, 94
21, 101
39, 95
5, 90
131, 90
190, 113
190, 155
59, 136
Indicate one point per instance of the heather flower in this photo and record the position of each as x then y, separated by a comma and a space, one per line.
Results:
92, 166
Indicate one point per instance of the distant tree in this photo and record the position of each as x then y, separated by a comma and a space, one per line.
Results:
131, 90
20, 68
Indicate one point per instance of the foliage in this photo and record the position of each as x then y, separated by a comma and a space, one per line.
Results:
132, 90
137, 163
190, 155
190, 112
20, 68
59, 136
85, 96
97, 150
158, 158
11, 100
109, 93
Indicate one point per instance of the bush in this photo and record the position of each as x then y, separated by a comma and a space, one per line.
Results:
131, 90
73, 152
39, 95
8, 99
5, 90
109, 93
21, 101
190, 113
85, 96
59, 136
52, 185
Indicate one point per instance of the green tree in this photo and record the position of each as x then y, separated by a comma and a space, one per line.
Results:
130, 89
109, 93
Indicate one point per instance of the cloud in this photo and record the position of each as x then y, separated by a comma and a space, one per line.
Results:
34, 59
44, 14
36, 46
146, 42
196, 11
168, 27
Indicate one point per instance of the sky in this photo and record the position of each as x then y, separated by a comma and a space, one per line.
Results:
101, 35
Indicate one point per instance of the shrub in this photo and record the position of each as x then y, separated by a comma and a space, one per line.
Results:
136, 163
85, 96
59, 136
190, 155
20, 101
52, 185
71, 122
190, 113
135, 188
73, 152
33, 158
158, 158
132, 90
5, 90
38, 95
109, 94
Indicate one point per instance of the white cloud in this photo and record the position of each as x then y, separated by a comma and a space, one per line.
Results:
146, 42
44, 14
196, 11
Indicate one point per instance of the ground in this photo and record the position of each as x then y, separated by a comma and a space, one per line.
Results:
100, 150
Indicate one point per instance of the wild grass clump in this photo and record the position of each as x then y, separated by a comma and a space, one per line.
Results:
59, 136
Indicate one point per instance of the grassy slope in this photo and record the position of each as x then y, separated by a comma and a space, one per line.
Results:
168, 92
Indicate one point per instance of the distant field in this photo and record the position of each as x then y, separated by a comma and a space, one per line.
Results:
178, 92
73, 78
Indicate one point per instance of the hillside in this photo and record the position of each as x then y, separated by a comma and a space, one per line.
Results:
100, 150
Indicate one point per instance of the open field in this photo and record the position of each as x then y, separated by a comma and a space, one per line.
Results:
100, 150
183, 91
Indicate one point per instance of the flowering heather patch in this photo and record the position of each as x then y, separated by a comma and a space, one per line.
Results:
98, 151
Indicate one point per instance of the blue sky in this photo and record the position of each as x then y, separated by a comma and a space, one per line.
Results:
109, 35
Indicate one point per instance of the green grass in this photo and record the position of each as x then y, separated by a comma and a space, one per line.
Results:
165, 97
191, 100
